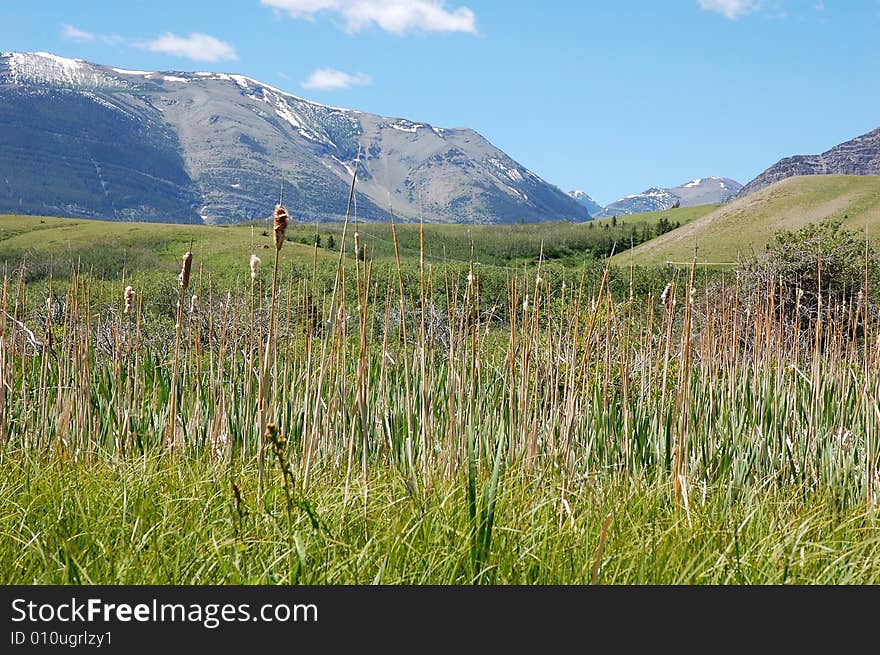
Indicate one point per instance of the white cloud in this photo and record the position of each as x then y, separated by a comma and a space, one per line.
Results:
396, 16
731, 9
75, 34
329, 79
198, 47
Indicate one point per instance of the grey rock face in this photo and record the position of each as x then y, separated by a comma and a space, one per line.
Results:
700, 191
586, 201
81, 139
859, 156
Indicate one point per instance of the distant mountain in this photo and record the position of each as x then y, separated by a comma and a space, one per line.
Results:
739, 229
701, 191
586, 201
859, 156
82, 139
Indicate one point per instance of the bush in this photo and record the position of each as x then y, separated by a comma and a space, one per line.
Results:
794, 257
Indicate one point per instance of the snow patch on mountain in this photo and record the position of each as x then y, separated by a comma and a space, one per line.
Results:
699, 191
586, 201
212, 145
46, 68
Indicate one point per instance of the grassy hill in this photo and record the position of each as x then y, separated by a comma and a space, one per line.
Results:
683, 215
744, 226
47, 245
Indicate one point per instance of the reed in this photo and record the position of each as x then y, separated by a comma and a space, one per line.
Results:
420, 431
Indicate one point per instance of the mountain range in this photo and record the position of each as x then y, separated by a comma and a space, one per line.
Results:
700, 191
88, 140
586, 201
858, 156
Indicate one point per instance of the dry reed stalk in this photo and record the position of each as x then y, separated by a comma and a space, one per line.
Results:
600, 551
279, 227
183, 284
5, 367
680, 470
405, 356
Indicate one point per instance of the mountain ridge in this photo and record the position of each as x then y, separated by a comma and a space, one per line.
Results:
586, 201
213, 147
699, 191
858, 156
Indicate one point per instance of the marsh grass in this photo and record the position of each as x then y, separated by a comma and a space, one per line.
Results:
563, 434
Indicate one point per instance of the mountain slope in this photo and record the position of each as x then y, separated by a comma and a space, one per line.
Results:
744, 225
586, 201
859, 156
88, 140
701, 191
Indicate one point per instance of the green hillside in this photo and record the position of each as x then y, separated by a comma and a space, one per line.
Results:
108, 248
681, 215
742, 227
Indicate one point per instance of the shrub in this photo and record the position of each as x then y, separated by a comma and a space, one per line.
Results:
819, 257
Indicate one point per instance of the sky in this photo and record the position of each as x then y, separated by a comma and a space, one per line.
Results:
610, 97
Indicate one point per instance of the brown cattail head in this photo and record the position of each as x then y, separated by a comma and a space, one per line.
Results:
183, 278
279, 226
275, 438
129, 300
255, 266
666, 296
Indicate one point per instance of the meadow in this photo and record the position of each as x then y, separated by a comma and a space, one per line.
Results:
377, 413
739, 229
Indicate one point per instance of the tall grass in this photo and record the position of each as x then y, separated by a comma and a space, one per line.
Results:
564, 435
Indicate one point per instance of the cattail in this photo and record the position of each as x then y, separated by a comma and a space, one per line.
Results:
357, 244
255, 266
279, 226
538, 280
129, 300
194, 304
183, 278
667, 292
50, 339
470, 278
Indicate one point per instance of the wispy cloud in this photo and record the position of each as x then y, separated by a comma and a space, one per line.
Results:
195, 46
395, 16
731, 9
329, 79
75, 34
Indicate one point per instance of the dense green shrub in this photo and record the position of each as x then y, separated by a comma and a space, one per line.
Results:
820, 258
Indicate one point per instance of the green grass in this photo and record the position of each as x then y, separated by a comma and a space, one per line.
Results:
682, 215
476, 451
743, 227
149, 251
147, 255
155, 521
448, 430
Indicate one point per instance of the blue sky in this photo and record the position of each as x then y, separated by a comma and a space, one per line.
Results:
608, 97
